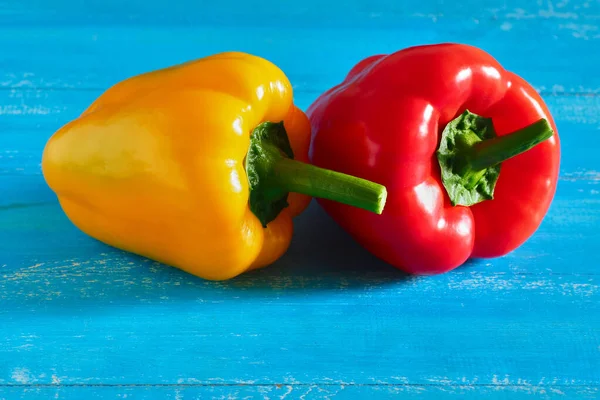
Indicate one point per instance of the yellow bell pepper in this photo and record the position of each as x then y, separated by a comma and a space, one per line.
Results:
200, 166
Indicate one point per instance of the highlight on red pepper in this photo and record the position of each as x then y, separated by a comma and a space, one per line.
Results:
468, 152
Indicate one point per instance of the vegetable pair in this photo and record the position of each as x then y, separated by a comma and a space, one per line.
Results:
202, 166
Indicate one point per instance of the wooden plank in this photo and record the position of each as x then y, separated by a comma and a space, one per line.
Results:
311, 13
274, 342
99, 55
303, 392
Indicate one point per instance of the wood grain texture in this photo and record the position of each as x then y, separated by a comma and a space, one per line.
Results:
79, 319
313, 41
301, 392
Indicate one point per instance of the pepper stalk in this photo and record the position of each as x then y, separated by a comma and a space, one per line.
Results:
273, 174
471, 153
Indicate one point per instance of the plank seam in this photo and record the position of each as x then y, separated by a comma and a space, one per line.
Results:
309, 91
329, 384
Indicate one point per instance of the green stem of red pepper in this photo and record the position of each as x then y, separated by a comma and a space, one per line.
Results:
488, 153
470, 155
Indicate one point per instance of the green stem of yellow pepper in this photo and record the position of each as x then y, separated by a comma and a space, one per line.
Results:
273, 173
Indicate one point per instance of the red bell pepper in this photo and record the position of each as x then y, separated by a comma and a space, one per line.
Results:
468, 151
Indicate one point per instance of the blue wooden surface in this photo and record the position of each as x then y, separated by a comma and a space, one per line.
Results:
80, 320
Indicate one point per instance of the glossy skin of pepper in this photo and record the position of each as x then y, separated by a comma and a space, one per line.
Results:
383, 123
155, 165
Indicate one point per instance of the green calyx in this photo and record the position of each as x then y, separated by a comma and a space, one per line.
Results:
470, 155
273, 174
269, 143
